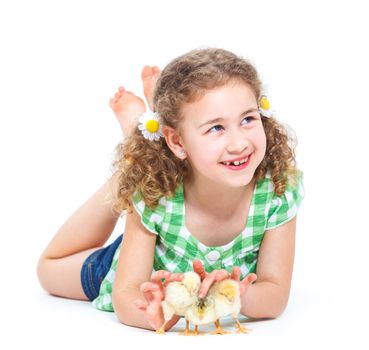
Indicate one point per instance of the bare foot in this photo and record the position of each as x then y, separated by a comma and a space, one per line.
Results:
149, 75
127, 107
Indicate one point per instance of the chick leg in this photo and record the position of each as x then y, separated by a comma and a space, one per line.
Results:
196, 331
240, 328
218, 328
161, 330
187, 329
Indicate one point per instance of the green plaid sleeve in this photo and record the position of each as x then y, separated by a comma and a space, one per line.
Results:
152, 220
284, 208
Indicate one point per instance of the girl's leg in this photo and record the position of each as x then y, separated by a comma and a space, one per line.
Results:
62, 276
85, 231
88, 229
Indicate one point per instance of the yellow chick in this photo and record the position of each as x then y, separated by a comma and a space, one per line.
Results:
179, 296
227, 301
202, 311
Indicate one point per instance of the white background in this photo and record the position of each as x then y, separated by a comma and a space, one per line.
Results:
61, 61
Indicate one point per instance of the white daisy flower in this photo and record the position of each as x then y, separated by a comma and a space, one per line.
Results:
150, 126
264, 106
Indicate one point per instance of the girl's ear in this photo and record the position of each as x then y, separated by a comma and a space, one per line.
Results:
174, 140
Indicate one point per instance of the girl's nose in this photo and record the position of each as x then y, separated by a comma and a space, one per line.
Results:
237, 141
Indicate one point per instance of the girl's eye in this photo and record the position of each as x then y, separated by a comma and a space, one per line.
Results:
249, 119
214, 127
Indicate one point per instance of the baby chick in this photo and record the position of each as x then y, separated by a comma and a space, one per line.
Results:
179, 296
227, 301
202, 311
223, 299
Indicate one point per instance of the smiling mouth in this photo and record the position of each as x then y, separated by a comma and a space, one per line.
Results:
237, 163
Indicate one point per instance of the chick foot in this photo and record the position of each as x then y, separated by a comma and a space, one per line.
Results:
196, 331
161, 330
218, 329
187, 331
240, 328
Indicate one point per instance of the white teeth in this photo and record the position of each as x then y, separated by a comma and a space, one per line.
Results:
237, 162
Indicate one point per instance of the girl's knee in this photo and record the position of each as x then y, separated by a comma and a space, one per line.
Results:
43, 271
62, 276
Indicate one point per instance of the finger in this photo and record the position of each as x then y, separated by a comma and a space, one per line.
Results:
141, 305
206, 284
175, 277
152, 291
121, 88
157, 276
247, 281
147, 289
198, 267
236, 273
251, 277
221, 275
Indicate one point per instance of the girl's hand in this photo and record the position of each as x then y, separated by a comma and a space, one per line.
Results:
154, 293
208, 279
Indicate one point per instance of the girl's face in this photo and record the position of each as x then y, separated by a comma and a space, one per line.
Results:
223, 126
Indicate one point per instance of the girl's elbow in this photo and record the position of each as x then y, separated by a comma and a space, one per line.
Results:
275, 314
119, 308
123, 319
277, 310
272, 312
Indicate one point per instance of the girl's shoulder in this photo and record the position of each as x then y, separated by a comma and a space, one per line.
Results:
280, 208
294, 182
168, 209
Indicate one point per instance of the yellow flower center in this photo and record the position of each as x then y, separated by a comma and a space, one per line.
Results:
264, 103
152, 125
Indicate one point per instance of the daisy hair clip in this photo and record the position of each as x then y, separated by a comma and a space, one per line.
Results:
264, 106
150, 125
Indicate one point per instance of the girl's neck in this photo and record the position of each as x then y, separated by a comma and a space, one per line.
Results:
212, 199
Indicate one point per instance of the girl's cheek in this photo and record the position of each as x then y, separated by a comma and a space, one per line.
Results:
261, 139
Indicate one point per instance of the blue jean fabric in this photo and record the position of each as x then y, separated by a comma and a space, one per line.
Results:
95, 268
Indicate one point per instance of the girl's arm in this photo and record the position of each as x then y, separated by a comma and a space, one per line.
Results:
268, 296
134, 269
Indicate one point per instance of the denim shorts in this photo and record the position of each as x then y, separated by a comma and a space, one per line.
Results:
95, 268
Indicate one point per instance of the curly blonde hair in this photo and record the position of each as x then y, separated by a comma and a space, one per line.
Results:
151, 168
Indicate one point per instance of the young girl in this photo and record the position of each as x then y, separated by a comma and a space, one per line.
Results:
207, 181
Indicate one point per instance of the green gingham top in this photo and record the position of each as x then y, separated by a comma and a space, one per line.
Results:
176, 247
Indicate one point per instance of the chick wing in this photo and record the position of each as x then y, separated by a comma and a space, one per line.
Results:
179, 296
226, 295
